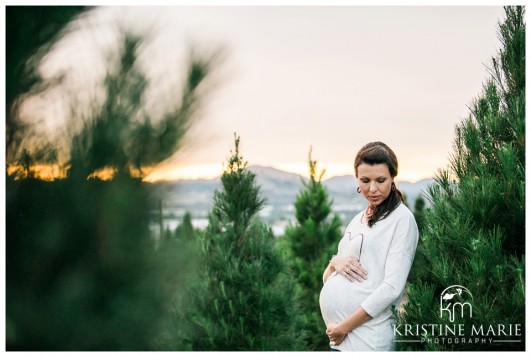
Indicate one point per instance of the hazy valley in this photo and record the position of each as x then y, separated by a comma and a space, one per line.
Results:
278, 187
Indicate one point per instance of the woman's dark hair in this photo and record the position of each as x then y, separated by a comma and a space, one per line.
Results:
378, 153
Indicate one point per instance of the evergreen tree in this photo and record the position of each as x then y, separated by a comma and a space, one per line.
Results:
122, 135
30, 33
245, 298
475, 230
312, 241
185, 231
419, 262
419, 212
82, 271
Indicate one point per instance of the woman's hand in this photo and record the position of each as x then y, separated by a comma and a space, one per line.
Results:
349, 267
336, 333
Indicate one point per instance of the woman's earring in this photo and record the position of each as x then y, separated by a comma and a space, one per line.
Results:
359, 190
393, 187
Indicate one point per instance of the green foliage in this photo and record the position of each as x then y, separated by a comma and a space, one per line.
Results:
474, 233
311, 243
418, 267
82, 269
244, 298
82, 272
30, 32
122, 135
419, 212
185, 231
240, 198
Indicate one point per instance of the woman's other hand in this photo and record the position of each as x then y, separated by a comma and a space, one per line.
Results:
349, 267
336, 334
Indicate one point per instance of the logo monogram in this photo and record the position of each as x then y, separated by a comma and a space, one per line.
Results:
455, 299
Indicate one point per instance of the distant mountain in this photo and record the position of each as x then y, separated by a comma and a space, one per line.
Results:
280, 189
413, 190
343, 190
270, 174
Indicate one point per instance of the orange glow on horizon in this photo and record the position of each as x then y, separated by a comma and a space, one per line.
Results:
198, 172
192, 172
209, 171
51, 172
39, 171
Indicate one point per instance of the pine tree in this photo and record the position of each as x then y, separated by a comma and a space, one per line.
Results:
475, 230
185, 231
82, 270
30, 33
312, 241
245, 299
419, 212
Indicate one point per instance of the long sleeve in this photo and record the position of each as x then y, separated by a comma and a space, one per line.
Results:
397, 265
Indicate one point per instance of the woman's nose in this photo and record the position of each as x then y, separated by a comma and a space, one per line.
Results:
372, 187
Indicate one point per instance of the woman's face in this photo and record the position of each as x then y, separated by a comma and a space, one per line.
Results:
374, 182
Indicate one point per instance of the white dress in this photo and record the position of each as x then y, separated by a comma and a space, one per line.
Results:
386, 252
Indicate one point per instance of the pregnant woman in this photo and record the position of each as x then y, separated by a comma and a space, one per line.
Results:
367, 277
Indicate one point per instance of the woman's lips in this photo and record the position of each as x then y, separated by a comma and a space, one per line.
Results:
374, 198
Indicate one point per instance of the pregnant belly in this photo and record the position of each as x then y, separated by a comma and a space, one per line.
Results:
340, 298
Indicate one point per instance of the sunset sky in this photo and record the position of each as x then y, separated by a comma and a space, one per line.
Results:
333, 78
